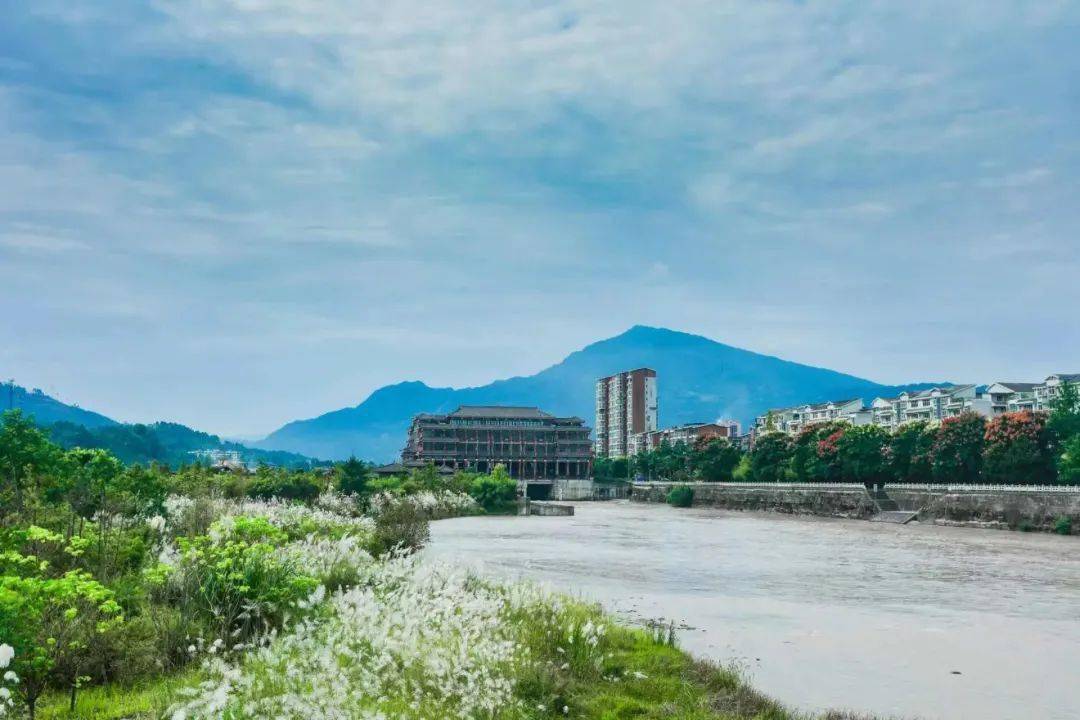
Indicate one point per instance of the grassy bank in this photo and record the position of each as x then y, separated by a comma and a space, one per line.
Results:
426, 642
422, 642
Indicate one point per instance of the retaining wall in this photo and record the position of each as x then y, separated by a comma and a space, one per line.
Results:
1011, 507
847, 501
1006, 509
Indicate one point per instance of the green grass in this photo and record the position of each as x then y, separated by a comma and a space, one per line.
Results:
640, 675
112, 702
656, 680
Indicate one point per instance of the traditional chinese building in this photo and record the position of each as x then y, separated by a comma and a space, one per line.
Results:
530, 443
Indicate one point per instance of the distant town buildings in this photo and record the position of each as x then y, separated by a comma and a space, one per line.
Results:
626, 406
530, 443
932, 404
221, 459
687, 434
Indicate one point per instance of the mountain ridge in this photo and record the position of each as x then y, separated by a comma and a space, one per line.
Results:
699, 379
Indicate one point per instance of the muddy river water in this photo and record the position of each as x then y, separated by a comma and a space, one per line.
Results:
910, 621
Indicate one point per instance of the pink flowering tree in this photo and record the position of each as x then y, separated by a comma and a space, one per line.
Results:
1018, 449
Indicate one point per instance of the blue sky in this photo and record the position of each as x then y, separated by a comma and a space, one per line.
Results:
233, 213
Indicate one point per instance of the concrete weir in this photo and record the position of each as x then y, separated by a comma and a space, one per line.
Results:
546, 509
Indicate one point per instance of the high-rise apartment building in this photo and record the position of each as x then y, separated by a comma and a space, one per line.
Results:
626, 405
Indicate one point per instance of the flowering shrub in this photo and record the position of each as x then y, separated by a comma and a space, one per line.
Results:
336, 516
9, 678
336, 563
412, 641
433, 505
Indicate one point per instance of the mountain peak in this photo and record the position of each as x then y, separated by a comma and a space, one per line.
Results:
698, 378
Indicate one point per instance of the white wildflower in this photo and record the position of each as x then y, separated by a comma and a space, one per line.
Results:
6, 654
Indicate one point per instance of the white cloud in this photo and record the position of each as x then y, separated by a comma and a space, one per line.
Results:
363, 191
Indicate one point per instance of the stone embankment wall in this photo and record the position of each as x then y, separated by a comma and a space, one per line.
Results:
1037, 510
967, 506
846, 501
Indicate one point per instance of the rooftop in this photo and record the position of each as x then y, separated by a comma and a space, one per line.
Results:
501, 412
1018, 387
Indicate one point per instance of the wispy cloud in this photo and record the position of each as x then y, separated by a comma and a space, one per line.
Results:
255, 190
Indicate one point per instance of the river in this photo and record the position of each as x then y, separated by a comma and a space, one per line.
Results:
911, 621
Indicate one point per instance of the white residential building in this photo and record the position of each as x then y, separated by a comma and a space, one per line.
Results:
933, 404
626, 406
1046, 391
1011, 397
792, 420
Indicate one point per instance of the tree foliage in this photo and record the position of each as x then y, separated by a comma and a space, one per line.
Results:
770, 460
1018, 449
862, 454
957, 453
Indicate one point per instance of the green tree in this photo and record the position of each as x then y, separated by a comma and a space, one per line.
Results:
27, 459
352, 476
814, 454
715, 460
770, 458
1069, 462
957, 453
53, 624
909, 452
862, 454
1064, 420
1017, 449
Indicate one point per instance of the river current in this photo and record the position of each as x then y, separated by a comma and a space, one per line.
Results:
911, 621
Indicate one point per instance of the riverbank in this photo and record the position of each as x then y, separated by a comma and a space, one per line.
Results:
1005, 507
359, 637
425, 642
916, 621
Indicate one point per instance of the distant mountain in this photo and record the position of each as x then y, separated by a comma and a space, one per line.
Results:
47, 410
698, 380
166, 443
162, 442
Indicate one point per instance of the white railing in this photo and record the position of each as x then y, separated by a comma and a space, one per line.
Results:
978, 487
973, 487
759, 485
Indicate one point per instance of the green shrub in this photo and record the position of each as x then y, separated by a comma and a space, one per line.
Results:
240, 588
494, 491
681, 496
297, 485
1063, 525
743, 471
